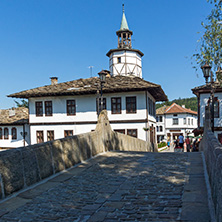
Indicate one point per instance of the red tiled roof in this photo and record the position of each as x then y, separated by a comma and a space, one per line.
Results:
175, 108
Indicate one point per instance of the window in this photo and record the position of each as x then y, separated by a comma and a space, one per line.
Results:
157, 119
175, 121
120, 131
0, 133
68, 133
116, 105
98, 106
216, 107
132, 132
71, 107
39, 137
48, 108
188, 121
50, 135
161, 119
5, 133
131, 104
157, 128
161, 129
184, 121
38, 109
14, 133
191, 121
118, 59
151, 107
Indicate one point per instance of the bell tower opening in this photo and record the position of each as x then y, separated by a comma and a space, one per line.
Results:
124, 34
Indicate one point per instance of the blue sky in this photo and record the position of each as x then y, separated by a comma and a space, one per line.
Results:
45, 38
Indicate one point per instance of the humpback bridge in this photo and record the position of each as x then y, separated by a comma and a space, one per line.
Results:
117, 185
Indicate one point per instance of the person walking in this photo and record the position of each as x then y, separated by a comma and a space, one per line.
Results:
181, 141
187, 141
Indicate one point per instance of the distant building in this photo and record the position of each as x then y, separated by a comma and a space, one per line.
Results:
203, 97
64, 109
14, 128
173, 120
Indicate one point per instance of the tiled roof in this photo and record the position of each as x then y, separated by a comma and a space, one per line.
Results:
15, 116
91, 86
175, 108
207, 88
161, 110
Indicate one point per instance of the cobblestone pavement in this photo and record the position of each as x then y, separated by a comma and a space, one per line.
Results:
117, 186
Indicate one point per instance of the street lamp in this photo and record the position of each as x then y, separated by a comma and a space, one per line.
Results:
102, 77
208, 73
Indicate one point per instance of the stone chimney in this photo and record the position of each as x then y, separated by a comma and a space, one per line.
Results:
54, 80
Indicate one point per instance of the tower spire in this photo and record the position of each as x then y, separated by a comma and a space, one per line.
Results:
124, 24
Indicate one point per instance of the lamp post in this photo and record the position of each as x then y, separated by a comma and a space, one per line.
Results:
102, 77
208, 73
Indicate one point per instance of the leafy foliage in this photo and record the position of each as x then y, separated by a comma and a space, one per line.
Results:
210, 48
162, 144
190, 103
22, 103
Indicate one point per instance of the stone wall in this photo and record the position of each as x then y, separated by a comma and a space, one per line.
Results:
213, 155
25, 166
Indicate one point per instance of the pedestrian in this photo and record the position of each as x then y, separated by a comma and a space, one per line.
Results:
187, 141
168, 143
176, 142
181, 141
194, 146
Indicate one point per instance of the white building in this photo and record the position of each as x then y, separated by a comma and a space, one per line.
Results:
203, 97
63, 109
14, 128
173, 120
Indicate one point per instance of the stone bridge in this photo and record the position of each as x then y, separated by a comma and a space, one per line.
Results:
115, 185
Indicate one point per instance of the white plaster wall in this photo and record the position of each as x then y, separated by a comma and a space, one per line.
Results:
59, 130
169, 121
86, 108
130, 62
85, 112
79, 129
203, 102
161, 124
14, 143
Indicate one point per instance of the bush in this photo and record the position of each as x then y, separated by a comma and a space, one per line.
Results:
162, 144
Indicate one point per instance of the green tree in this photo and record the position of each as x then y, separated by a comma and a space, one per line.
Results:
210, 44
190, 103
22, 103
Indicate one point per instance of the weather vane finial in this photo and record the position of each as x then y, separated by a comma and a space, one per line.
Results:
123, 7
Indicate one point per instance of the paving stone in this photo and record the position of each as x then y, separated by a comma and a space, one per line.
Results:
118, 186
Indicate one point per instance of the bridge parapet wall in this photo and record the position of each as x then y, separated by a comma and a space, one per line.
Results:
213, 155
25, 166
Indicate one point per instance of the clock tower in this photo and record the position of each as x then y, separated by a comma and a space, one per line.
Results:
125, 60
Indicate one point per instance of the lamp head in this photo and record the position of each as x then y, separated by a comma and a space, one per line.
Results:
102, 76
206, 71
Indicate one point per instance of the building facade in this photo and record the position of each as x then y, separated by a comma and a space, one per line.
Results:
174, 120
203, 94
14, 128
64, 109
